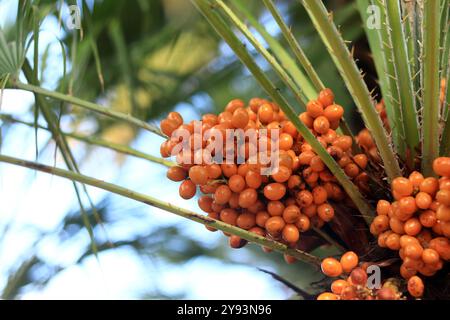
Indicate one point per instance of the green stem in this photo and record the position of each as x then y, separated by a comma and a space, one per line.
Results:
404, 77
295, 46
224, 31
98, 142
205, 220
90, 106
431, 86
298, 93
381, 49
352, 77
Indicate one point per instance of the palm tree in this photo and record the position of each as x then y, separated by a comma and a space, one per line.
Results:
158, 67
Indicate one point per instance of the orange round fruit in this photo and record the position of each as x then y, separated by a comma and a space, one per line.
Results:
327, 296
236, 183
331, 267
187, 189
314, 109
349, 261
274, 191
442, 166
325, 212
247, 197
334, 112
383, 207
290, 233
291, 214
415, 287
275, 225
326, 97
402, 186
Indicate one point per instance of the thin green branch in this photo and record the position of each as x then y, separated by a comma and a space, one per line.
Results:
96, 141
295, 46
205, 220
230, 38
431, 86
296, 90
353, 79
381, 49
404, 77
279, 51
61, 142
90, 106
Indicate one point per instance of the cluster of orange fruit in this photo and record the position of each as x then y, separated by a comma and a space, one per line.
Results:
279, 205
355, 285
417, 223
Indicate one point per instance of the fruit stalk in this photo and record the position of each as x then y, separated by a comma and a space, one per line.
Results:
252, 237
89, 105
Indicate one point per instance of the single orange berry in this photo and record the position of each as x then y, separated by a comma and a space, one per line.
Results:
415, 287
176, 173
236, 183
412, 227
236, 242
205, 202
361, 160
413, 251
246, 220
442, 166
187, 189
234, 105
303, 223
327, 296
253, 179
443, 197
430, 256
265, 113
349, 261
338, 285
247, 197
275, 225
416, 179
326, 97
304, 198
331, 267
429, 185
402, 186
275, 208
407, 205
282, 174
291, 213
321, 125
325, 212
334, 112
423, 200
240, 118
168, 127
229, 216
443, 213
314, 109
274, 191
358, 277
222, 194
428, 218
383, 207
290, 233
